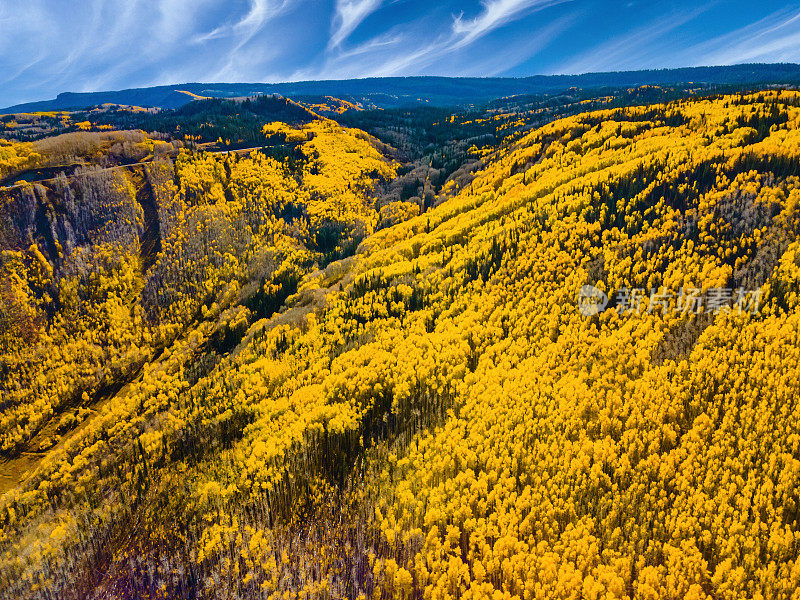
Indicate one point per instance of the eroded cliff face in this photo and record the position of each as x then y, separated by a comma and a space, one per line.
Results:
74, 259
122, 205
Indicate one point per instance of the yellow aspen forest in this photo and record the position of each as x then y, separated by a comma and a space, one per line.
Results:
324, 366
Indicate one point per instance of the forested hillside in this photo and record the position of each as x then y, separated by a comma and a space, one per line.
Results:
393, 92
265, 375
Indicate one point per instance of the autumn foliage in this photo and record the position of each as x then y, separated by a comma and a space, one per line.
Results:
310, 395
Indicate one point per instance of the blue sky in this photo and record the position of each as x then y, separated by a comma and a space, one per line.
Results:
51, 46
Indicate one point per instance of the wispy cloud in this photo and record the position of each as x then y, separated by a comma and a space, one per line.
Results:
495, 13
413, 47
349, 15
15, 29
643, 45
259, 13
242, 32
775, 38
517, 51
50, 46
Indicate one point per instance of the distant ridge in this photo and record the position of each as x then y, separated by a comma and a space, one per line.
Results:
440, 91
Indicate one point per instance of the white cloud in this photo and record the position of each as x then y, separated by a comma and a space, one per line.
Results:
495, 14
15, 28
259, 13
50, 46
349, 15
240, 62
516, 51
632, 50
413, 47
775, 38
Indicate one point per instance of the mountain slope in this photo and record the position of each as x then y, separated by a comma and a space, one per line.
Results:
434, 417
385, 92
